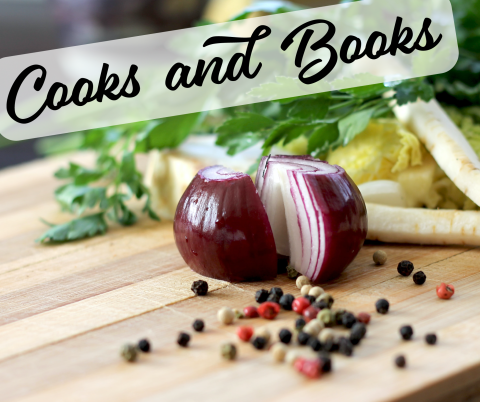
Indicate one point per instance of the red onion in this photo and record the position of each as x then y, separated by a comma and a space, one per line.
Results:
222, 230
317, 213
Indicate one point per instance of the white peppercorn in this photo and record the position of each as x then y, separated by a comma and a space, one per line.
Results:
316, 291
313, 328
305, 289
302, 281
291, 356
379, 257
326, 334
279, 350
226, 315
263, 333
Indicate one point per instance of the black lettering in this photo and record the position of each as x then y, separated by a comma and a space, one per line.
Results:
184, 70
77, 89
135, 84
371, 43
397, 42
430, 43
104, 89
356, 52
52, 93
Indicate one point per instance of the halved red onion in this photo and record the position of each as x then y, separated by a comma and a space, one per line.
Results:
317, 213
222, 230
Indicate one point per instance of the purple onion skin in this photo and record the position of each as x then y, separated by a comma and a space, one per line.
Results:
345, 221
222, 231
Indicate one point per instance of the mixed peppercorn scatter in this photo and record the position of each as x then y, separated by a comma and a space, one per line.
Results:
286, 301
144, 345
226, 315
275, 294
264, 333
200, 288
238, 313
129, 352
261, 295
310, 313
183, 339
228, 351
268, 310
326, 298
400, 361
406, 332
348, 320
300, 304
325, 362
302, 281
250, 312
198, 325
245, 333
431, 339
357, 333
305, 289
314, 343
382, 306
379, 257
445, 291
303, 338
316, 291
405, 268
363, 318
308, 367
320, 304
285, 336
279, 351
259, 342
345, 347
419, 278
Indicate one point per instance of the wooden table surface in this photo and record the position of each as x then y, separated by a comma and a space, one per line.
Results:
65, 311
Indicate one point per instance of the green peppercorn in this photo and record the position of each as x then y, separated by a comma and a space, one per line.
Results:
382, 306
129, 352
327, 298
406, 332
339, 315
228, 351
183, 339
200, 288
292, 273
405, 268
144, 345
431, 339
400, 361
327, 317
419, 278
239, 314
198, 325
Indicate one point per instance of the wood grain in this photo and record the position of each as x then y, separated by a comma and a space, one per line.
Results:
65, 311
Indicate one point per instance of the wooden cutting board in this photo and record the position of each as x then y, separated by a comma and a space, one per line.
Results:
66, 310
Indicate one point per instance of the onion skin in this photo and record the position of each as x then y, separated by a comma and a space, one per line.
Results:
221, 228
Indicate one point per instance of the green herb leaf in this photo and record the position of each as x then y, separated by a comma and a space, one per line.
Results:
310, 109
244, 123
238, 142
410, 91
354, 124
323, 138
77, 199
76, 229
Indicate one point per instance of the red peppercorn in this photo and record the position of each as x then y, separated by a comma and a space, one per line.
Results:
268, 310
300, 304
363, 318
298, 365
311, 368
310, 313
250, 312
245, 333
445, 291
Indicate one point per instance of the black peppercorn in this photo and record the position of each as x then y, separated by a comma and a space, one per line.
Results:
285, 336
321, 305
261, 295
419, 278
200, 288
259, 342
431, 339
405, 268
311, 299
315, 344
198, 325
357, 333
273, 298
339, 315
144, 345
345, 347
382, 306
303, 338
183, 339
330, 345
325, 362
406, 332
400, 361
276, 291
348, 319
286, 301
299, 324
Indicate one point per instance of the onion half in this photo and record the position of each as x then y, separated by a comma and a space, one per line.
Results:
317, 213
221, 228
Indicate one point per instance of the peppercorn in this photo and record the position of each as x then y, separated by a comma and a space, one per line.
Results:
326, 317
238, 314
286, 301
400, 361
348, 319
327, 298
200, 288
198, 325
261, 295
320, 305
310, 313
311, 368
326, 334
364, 318
291, 356
339, 315
263, 333
316, 291
445, 291
250, 312
379, 257
279, 350
382, 306
245, 333
303, 338
285, 336
310, 299
406, 332
313, 328
305, 289
357, 333
330, 345
183, 339
278, 292
325, 362
431, 339
268, 310
228, 351
419, 278
300, 323
129, 352
144, 345
259, 343
315, 344
225, 315
292, 273
345, 347
302, 281
300, 304
405, 268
